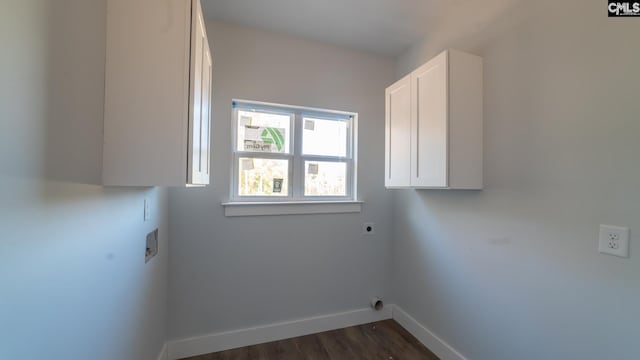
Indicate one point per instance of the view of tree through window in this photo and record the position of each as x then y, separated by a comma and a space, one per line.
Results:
267, 177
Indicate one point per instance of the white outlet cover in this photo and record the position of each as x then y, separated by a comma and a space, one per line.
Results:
147, 210
614, 240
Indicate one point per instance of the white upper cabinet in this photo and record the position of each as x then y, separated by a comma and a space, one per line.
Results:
200, 105
397, 135
157, 120
429, 140
434, 125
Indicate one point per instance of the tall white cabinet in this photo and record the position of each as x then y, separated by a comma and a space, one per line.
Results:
434, 125
157, 120
398, 134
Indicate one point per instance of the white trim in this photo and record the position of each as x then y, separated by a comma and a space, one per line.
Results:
164, 354
260, 334
434, 343
293, 107
291, 208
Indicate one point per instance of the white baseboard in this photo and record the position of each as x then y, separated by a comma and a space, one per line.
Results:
163, 355
178, 349
438, 346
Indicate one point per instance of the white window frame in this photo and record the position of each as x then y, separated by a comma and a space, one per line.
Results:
296, 158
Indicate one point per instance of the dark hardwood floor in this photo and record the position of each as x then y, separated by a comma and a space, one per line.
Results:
380, 340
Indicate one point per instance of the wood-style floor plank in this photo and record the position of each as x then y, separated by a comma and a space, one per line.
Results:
384, 340
311, 346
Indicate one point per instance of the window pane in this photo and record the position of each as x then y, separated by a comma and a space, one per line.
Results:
263, 132
325, 178
324, 137
263, 177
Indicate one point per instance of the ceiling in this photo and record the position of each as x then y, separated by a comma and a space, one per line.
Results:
386, 27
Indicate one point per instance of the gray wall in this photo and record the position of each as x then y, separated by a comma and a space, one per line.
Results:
513, 272
230, 273
73, 283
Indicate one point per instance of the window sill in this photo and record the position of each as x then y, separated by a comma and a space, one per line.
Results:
290, 208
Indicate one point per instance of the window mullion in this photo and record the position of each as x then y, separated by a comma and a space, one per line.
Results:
325, 158
264, 155
298, 164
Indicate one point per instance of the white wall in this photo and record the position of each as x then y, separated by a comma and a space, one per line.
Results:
230, 273
513, 272
73, 283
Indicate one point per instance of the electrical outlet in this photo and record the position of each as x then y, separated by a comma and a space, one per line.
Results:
368, 229
614, 240
147, 210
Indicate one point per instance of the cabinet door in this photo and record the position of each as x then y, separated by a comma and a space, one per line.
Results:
398, 134
200, 107
429, 125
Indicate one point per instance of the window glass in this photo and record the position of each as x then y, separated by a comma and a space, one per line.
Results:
323, 178
263, 177
325, 137
263, 132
